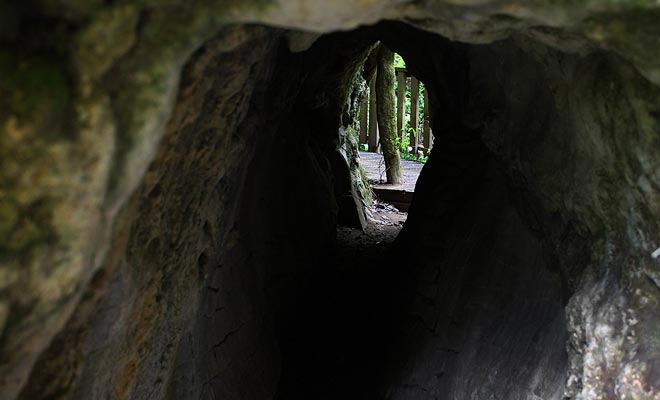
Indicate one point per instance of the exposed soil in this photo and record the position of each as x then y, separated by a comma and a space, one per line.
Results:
384, 224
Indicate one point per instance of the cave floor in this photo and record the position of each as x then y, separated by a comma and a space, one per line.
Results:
339, 347
384, 224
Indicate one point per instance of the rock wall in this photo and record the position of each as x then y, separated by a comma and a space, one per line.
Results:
247, 170
603, 117
131, 209
519, 211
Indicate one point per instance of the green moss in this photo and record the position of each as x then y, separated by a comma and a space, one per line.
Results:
17, 313
364, 186
31, 227
353, 133
8, 217
108, 37
36, 92
165, 42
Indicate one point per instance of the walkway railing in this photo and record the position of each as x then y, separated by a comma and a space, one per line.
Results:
369, 121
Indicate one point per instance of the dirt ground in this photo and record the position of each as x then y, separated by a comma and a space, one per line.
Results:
384, 224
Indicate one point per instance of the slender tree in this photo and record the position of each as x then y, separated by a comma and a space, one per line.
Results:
386, 107
370, 67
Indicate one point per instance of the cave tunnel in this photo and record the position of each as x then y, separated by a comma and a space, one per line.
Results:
173, 178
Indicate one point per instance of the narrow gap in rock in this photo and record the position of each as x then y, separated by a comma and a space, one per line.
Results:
348, 311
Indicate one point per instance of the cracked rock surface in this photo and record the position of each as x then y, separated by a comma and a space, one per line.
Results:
172, 174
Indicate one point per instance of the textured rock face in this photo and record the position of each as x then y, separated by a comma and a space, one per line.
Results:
507, 109
134, 242
179, 285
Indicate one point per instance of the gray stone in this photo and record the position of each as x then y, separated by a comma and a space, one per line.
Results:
168, 178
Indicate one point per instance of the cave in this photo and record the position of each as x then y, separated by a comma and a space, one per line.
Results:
173, 177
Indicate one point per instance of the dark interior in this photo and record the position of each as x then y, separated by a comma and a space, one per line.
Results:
511, 279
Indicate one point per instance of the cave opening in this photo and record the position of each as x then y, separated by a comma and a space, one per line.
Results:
469, 301
202, 230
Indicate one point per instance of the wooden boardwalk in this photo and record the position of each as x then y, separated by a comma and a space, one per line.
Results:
397, 195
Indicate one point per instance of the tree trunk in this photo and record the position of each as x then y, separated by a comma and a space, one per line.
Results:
386, 106
401, 104
427, 121
370, 67
373, 117
414, 114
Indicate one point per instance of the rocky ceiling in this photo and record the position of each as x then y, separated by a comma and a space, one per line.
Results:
156, 232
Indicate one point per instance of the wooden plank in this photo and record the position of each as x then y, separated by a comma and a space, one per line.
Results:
400, 199
400, 102
373, 117
427, 121
414, 113
399, 69
364, 119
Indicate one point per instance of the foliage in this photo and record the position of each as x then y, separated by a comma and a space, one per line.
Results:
413, 157
399, 61
408, 103
402, 142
